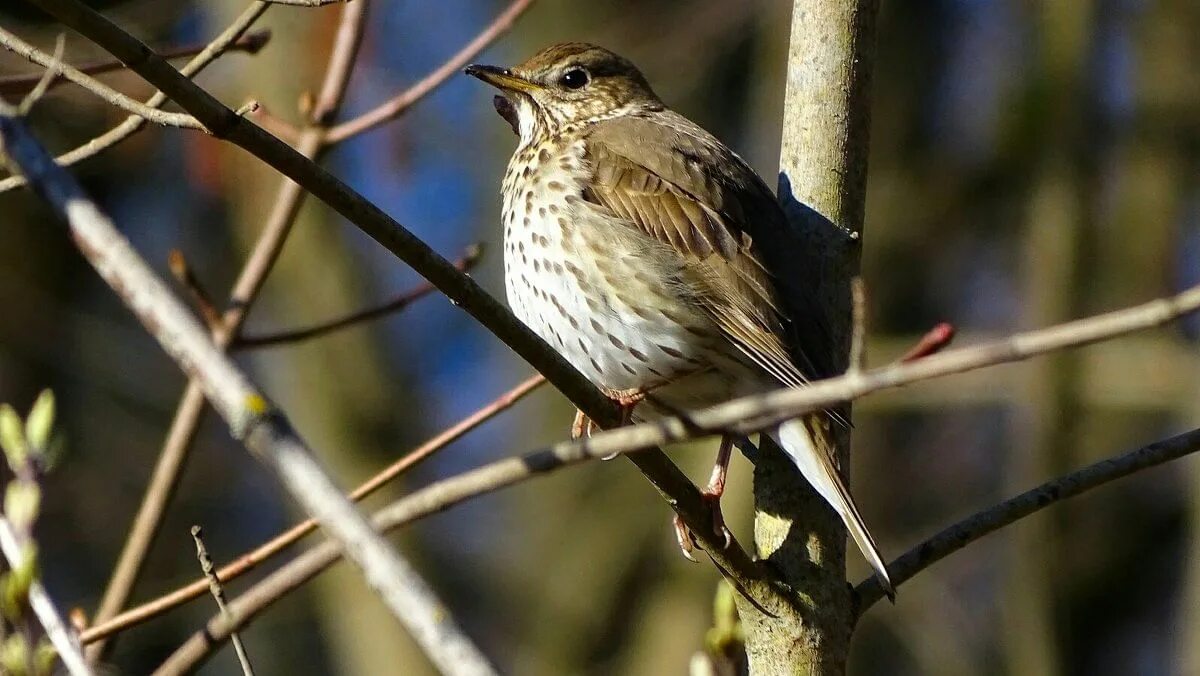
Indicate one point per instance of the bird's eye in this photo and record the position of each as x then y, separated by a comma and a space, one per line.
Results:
574, 78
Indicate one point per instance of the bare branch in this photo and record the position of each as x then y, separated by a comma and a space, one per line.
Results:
167, 470
992, 519
397, 304
133, 123
15, 44
251, 560
395, 107
43, 606
251, 418
43, 85
218, 594
165, 476
19, 85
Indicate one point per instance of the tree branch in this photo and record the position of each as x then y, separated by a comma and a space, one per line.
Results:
43, 606
251, 560
188, 413
133, 123
19, 85
992, 519
251, 418
15, 44
165, 477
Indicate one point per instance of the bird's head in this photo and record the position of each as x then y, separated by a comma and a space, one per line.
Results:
569, 84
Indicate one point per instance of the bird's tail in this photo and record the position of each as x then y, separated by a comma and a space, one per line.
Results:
820, 472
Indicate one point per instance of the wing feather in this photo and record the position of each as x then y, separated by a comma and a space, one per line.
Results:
666, 192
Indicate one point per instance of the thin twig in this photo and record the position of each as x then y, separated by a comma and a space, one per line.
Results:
183, 274
218, 594
60, 635
165, 476
397, 304
263, 429
15, 44
43, 85
251, 560
393, 108
19, 85
220, 45
992, 519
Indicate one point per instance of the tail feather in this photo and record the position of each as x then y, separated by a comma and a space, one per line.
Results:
820, 472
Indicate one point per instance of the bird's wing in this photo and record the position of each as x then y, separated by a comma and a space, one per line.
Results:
682, 187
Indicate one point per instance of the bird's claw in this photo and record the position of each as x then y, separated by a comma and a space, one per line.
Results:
687, 540
582, 426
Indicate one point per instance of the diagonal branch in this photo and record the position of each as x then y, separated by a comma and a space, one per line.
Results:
251, 560
251, 418
188, 413
992, 519
19, 85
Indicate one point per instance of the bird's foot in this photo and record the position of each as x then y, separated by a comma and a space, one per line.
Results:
627, 400
582, 426
684, 536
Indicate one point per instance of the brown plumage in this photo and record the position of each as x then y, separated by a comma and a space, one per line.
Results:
650, 254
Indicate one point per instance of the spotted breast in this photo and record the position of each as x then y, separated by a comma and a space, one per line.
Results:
598, 290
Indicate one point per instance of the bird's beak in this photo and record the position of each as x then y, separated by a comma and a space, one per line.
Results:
501, 78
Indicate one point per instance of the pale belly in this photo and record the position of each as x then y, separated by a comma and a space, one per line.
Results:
595, 291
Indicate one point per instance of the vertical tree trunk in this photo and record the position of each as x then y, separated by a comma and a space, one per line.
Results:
823, 171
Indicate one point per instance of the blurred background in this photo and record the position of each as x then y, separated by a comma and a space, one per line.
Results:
1031, 162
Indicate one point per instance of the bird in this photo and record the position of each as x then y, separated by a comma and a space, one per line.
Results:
643, 250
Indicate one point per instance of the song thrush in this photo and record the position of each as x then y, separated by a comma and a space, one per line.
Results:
634, 245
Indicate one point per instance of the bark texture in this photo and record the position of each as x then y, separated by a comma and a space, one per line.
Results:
822, 185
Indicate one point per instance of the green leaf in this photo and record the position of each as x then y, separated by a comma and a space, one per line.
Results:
12, 437
40, 422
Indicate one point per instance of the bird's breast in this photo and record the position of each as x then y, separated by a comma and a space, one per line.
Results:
596, 289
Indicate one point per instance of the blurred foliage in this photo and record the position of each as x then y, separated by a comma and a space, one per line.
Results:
29, 447
1031, 162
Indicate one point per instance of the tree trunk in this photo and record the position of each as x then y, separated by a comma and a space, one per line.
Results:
822, 185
